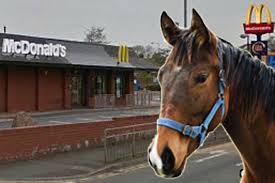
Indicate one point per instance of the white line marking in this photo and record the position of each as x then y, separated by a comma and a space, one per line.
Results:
5, 120
214, 154
61, 122
83, 119
238, 164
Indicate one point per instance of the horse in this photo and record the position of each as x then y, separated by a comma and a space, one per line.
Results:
206, 82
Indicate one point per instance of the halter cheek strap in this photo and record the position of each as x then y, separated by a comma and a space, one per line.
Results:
200, 130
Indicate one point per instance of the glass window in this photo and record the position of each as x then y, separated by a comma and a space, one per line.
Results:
100, 84
119, 86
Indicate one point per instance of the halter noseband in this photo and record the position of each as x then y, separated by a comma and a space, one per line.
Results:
200, 130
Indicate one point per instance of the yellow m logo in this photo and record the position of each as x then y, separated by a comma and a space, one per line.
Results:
123, 54
258, 13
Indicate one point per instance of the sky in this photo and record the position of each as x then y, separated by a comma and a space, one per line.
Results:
125, 21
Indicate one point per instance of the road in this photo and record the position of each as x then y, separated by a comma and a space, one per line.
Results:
212, 165
85, 117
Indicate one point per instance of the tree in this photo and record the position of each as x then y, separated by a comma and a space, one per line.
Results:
139, 50
96, 35
155, 55
159, 56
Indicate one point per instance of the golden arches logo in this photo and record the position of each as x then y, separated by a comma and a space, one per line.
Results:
123, 54
258, 13
258, 27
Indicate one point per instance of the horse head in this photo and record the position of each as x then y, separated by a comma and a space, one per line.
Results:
191, 85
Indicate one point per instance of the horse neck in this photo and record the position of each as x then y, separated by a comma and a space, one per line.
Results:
249, 120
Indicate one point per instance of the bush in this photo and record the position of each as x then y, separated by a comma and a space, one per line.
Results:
153, 87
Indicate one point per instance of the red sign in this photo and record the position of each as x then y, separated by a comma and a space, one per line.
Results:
260, 28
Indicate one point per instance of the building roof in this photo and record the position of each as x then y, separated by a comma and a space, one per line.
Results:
77, 54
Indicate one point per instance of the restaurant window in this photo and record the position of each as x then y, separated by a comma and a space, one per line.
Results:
100, 84
119, 86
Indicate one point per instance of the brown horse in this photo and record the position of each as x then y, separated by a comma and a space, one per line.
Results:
190, 88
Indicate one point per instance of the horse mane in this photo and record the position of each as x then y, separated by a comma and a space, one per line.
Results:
251, 82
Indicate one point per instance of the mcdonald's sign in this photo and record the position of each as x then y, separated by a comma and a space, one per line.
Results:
258, 27
123, 54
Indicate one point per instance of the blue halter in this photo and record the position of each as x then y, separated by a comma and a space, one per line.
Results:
200, 130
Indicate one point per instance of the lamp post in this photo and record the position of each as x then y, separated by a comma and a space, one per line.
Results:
185, 13
243, 36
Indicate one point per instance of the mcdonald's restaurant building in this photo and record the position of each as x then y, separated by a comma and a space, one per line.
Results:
40, 74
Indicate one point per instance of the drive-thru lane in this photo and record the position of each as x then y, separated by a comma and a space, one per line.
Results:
211, 165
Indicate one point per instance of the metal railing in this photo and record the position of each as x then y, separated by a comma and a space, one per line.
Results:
104, 100
143, 98
140, 98
123, 143
128, 142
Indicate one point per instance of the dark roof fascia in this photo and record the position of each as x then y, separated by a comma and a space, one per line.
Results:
31, 64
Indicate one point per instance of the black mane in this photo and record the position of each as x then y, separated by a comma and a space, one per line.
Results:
251, 82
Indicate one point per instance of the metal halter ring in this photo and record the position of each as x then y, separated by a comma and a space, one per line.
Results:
185, 129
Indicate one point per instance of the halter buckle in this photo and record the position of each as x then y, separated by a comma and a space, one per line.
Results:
187, 127
221, 95
221, 77
221, 73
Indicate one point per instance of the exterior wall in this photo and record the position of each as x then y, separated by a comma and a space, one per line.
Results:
50, 89
90, 89
45, 89
112, 83
3, 89
21, 91
130, 83
67, 89
42, 140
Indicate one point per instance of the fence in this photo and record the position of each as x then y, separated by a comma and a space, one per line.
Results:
140, 98
104, 100
128, 142
143, 98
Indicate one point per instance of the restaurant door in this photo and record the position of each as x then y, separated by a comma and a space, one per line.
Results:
78, 95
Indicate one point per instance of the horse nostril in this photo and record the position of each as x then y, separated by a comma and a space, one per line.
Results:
168, 160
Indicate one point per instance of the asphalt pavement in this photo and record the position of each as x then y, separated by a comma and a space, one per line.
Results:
88, 116
212, 165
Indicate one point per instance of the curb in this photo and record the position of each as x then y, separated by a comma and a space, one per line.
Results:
74, 111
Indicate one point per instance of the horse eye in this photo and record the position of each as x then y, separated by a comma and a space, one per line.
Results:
201, 78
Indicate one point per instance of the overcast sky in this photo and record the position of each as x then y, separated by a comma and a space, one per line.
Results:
126, 21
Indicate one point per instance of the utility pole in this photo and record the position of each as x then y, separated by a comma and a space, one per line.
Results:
185, 13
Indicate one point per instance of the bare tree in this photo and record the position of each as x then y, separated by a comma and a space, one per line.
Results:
96, 35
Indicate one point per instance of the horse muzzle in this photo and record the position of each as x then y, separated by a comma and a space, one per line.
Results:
163, 165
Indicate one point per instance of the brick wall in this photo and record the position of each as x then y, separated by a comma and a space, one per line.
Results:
32, 142
3, 89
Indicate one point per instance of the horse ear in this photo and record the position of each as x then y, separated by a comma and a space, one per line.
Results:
200, 29
170, 30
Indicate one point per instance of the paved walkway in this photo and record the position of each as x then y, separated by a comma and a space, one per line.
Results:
80, 115
60, 165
